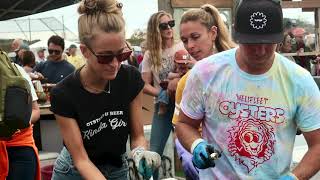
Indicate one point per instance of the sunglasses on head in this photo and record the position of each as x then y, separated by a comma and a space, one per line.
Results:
108, 58
53, 51
165, 26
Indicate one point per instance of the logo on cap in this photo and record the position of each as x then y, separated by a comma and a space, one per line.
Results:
258, 20
184, 57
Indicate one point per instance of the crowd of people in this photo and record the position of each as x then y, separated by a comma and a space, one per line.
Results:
234, 102
297, 41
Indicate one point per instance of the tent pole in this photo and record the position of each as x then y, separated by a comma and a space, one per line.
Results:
25, 35
29, 31
63, 31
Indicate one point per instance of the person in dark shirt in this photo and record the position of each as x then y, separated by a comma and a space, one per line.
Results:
55, 68
99, 105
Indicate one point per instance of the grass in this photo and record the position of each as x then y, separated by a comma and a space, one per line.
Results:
180, 173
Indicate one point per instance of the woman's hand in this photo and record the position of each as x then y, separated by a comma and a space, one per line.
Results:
148, 88
146, 161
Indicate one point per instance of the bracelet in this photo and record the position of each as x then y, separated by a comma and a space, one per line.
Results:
137, 150
195, 143
292, 175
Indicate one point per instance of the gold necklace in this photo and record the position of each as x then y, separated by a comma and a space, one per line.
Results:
85, 84
99, 90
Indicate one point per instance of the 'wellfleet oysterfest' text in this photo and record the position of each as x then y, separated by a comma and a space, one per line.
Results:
112, 121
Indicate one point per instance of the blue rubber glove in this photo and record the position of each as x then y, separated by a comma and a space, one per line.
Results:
202, 155
146, 161
289, 176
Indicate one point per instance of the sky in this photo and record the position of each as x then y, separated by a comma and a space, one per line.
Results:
136, 14
298, 14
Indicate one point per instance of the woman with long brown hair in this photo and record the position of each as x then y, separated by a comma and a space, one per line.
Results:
156, 65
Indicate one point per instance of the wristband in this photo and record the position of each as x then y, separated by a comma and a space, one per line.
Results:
195, 143
294, 176
137, 150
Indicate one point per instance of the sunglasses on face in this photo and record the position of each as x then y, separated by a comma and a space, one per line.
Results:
53, 51
108, 58
167, 25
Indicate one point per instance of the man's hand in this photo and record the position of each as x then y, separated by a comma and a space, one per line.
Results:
146, 161
204, 155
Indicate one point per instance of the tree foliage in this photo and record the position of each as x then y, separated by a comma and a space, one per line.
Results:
137, 37
292, 23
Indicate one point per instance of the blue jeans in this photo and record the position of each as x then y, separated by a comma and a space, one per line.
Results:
22, 163
163, 97
64, 169
160, 131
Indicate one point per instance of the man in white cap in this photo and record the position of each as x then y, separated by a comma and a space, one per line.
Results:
41, 54
250, 101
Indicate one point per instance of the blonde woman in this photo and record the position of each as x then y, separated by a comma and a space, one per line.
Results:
99, 105
156, 65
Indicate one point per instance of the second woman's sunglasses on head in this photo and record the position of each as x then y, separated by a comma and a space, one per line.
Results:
167, 25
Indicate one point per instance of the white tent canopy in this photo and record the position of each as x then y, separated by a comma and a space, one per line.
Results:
34, 29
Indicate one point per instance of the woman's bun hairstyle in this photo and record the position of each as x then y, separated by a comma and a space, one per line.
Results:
90, 7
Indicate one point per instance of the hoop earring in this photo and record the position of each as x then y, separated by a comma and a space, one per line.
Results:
214, 48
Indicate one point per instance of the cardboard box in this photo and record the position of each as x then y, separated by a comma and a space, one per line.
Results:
148, 102
147, 109
147, 117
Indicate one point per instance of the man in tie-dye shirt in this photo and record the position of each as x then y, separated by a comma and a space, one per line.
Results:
251, 101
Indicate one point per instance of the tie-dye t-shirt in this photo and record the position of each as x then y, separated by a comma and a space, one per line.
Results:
252, 119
